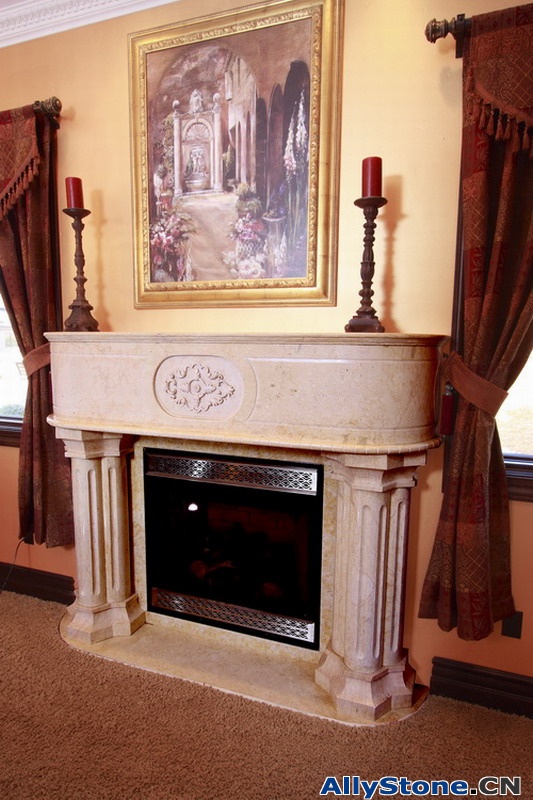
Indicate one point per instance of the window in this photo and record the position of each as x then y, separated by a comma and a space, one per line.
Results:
13, 383
515, 425
515, 418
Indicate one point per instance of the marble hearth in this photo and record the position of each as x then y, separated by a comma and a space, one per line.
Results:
362, 405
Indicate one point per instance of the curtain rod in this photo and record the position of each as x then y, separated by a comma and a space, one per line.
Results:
459, 27
50, 107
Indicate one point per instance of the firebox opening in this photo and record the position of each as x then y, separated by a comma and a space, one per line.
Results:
235, 543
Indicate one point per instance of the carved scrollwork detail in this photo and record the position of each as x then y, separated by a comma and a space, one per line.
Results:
197, 387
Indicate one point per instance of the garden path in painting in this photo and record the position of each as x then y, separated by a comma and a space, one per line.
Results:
214, 216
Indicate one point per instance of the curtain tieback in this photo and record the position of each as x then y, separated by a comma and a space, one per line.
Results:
476, 390
37, 359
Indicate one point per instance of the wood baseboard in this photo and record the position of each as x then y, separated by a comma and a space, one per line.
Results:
492, 688
37, 583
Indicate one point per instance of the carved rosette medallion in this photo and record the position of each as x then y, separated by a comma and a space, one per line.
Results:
199, 386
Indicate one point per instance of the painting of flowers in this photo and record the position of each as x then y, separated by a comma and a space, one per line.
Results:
228, 178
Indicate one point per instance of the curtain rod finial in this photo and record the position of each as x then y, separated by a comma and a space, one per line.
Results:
436, 30
459, 27
51, 106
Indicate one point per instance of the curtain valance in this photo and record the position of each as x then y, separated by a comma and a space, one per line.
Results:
499, 78
19, 154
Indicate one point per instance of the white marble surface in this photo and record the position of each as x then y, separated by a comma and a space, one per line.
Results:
347, 393
231, 666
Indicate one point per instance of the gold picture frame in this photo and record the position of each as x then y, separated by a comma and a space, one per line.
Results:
235, 145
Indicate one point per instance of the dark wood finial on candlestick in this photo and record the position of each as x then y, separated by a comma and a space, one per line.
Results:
81, 318
365, 319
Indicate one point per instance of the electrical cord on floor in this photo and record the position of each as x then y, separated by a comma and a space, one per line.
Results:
10, 570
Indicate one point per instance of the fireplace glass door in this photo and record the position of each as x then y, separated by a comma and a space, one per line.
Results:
235, 543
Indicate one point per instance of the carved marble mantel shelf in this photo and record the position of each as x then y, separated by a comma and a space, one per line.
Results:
362, 404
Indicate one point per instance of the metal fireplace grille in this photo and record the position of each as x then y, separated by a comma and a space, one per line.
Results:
238, 616
282, 478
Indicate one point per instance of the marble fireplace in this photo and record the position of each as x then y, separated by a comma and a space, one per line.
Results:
359, 406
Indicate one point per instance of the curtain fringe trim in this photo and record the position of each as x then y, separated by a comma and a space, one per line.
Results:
503, 126
19, 186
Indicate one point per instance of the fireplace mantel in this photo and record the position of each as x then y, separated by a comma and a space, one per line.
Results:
361, 403
355, 393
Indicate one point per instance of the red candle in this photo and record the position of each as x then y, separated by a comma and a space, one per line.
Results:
371, 177
74, 193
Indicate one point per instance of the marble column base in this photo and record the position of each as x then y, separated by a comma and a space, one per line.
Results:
89, 625
365, 696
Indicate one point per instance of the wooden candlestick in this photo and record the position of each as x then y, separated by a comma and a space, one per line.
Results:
81, 318
365, 319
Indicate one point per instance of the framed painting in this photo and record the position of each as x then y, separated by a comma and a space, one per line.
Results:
235, 131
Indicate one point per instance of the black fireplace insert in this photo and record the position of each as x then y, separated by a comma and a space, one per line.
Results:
235, 543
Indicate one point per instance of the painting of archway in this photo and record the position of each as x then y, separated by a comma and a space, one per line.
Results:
228, 177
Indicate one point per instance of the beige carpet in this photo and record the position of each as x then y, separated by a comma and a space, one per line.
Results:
77, 727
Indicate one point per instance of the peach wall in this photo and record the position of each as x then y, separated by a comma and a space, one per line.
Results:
401, 99
58, 559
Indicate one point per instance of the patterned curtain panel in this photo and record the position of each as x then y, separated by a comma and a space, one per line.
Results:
27, 211
468, 581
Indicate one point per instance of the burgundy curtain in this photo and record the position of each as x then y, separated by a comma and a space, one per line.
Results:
27, 284
468, 581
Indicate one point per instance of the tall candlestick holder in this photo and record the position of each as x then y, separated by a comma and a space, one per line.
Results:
365, 319
81, 318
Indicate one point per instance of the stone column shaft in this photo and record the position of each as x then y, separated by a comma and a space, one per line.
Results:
116, 528
365, 588
88, 527
396, 564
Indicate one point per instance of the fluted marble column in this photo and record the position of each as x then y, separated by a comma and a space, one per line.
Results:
364, 667
105, 605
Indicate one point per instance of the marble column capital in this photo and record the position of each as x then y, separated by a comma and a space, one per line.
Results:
375, 472
93, 444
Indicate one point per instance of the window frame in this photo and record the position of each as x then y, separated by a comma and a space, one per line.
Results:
10, 429
519, 469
